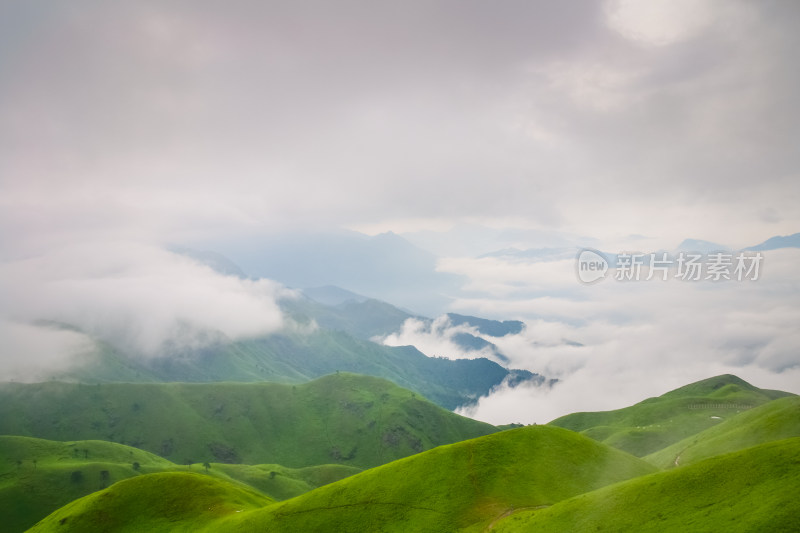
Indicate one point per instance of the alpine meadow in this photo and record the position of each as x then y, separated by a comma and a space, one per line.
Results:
414, 267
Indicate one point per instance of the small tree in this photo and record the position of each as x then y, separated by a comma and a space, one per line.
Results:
104, 477
76, 476
136, 466
206, 466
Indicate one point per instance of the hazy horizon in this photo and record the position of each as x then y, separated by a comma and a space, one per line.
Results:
466, 128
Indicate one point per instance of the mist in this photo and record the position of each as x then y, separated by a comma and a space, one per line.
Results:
141, 299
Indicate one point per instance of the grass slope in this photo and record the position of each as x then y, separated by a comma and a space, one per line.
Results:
38, 476
776, 420
751, 490
656, 423
347, 419
155, 502
300, 357
463, 485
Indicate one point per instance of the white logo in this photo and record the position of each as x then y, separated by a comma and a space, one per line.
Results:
591, 266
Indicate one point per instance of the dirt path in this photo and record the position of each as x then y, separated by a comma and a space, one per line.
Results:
510, 511
678, 457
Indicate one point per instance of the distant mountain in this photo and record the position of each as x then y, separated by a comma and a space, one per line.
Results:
493, 328
775, 243
216, 261
363, 318
344, 418
333, 295
704, 247
296, 357
384, 266
656, 423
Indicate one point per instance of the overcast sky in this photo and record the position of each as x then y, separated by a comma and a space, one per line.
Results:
127, 126
164, 120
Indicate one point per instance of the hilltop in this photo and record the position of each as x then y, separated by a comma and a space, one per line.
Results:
751, 490
656, 423
155, 502
463, 485
300, 356
775, 420
354, 420
39, 476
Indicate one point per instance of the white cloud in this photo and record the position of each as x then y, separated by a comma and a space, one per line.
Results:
436, 338
661, 22
640, 339
142, 299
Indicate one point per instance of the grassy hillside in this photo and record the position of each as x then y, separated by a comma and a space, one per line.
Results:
656, 423
463, 485
347, 419
751, 490
38, 476
778, 419
156, 502
300, 357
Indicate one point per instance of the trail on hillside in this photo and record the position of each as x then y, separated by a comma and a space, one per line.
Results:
509, 512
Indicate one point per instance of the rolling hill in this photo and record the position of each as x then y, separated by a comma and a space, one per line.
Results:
656, 423
343, 418
38, 476
297, 357
460, 486
775, 420
156, 502
750, 490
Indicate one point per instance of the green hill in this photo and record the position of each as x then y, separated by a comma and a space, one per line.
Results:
348, 419
38, 476
751, 490
295, 357
463, 485
776, 420
656, 423
156, 502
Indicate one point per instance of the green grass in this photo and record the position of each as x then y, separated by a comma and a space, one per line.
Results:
155, 502
460, 486
38, 476
280, 482
298, 357
656, 423
778, 419
463, 485
751, 490
348, 419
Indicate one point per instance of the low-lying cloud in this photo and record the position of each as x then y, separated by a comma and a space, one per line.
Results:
438, 338
616, 343
143, 300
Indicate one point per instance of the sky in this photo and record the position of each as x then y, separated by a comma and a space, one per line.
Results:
125, 127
